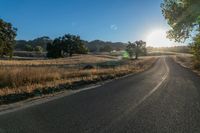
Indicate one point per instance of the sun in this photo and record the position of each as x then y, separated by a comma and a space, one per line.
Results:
158, 38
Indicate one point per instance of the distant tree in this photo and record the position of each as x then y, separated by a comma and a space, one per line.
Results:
100, 46
54, 49
177, 49
73, 44
130, 49
7, 38
66, 46
39, 49
40, 41
82, 49
184, 17
137, 48
28, 47
20, 45
106, 48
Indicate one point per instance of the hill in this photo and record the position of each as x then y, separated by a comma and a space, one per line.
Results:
93, 46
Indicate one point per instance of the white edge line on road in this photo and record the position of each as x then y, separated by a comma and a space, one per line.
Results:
164, 77
5, 109
157, 86
23, 105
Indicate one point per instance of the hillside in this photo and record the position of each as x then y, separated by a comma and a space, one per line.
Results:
93, 46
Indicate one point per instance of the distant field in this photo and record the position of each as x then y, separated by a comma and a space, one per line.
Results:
36, 77
75, 60
159, 53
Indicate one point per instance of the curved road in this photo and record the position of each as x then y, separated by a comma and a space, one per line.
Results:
163, 99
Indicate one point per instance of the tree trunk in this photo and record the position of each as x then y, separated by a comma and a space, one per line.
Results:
70, 54
199, 28
136, 55
1, 54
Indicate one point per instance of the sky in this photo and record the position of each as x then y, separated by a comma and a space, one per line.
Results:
108, 20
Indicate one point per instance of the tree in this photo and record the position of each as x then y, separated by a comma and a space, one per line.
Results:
66, 46
54, 49
40, 41
184, 17
28, 47
39, 49
106, 48
195, 46
137, 48
82, 49
130, 49
7, 38
73, 44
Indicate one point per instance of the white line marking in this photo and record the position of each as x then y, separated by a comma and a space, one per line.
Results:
19, 106
142, 100
25, 104
157, 86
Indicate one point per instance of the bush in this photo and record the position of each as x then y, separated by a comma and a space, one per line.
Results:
196, 65
39, 49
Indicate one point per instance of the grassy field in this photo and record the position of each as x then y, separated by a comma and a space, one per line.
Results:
29, 78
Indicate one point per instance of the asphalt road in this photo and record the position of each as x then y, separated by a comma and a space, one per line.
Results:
163, 99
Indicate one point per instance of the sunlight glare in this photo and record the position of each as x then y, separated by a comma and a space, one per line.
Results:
158, 38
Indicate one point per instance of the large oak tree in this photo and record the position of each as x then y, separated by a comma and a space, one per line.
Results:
66, 45
136, 48
7, 38
184, 18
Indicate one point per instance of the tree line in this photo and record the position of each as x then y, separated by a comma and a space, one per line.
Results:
63, 46
66, 45
39, 44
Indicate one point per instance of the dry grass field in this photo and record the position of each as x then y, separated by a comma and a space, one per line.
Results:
39, 76
187, 60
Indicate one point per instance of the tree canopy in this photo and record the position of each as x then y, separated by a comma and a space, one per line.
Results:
66, 45
7, 38
137, 48
183, 16
32, 45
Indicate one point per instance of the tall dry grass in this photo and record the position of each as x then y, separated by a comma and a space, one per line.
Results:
81, 59
15, 78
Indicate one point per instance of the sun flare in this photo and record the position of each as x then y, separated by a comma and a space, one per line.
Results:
158, 38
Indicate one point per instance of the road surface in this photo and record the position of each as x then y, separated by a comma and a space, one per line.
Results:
163, 99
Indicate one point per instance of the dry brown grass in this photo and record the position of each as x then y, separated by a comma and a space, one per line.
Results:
26, 76
84, 59
185, 60
188, 61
